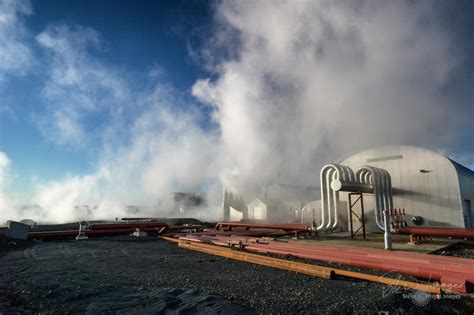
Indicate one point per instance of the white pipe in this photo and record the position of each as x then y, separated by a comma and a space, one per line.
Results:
378, 179
347, 176
372, 175
324, 192
387, 236
335, 196
330, 195
389, 184
334, 173
379, 195
381, 181
329, 198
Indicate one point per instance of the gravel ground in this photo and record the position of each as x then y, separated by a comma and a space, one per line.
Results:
463, 249
128, 275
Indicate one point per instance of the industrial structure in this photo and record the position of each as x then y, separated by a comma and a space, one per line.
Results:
433, 189
275, 202
397, 190
268, 210
417, 186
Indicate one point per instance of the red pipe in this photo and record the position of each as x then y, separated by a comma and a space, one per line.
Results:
244, 233
90, 233
53, 234
124, 231
108, 229
184, 227
454, 273
294, 245
281, 226
111, 226
437, 232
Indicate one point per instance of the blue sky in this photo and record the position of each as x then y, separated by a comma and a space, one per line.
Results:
136, 38
125, 101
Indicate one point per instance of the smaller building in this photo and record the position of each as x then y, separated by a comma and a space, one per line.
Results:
275, 202
268, 210
234, 215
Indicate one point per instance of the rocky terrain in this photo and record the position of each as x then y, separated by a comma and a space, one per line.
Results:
149, 275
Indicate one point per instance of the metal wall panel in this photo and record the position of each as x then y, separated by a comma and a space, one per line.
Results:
425, 183
466, 184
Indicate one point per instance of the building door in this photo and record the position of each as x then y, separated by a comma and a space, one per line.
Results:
468, 216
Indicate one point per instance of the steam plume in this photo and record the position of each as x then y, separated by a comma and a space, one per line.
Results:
295, 84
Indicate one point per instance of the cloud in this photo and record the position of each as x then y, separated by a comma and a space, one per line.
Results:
5, 163
60, 201
152, 140
15, 53
293, 85
79, 88
165, 151
179, 154
313, 81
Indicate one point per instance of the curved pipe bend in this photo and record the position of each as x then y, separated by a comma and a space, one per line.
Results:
382, 183
378, 178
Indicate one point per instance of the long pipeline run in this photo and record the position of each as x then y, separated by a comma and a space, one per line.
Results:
416, 233
437, 232
293, 228
308, 269
110, 229
455, 274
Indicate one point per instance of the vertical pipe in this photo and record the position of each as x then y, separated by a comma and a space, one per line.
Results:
362, 214
350, 216
330, 200
378, 202
381, 196
378, 178
390, 195
387, 235
335, 194
324, 193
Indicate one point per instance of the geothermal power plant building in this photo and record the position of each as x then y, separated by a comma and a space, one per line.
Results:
429, 186
425, 183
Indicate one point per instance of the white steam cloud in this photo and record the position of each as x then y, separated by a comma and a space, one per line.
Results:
298, 84
315, 80
79, 87
15, 55
4, 202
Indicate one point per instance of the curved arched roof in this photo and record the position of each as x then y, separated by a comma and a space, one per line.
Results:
456, 165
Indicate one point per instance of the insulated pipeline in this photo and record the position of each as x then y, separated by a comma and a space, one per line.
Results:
335, 178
